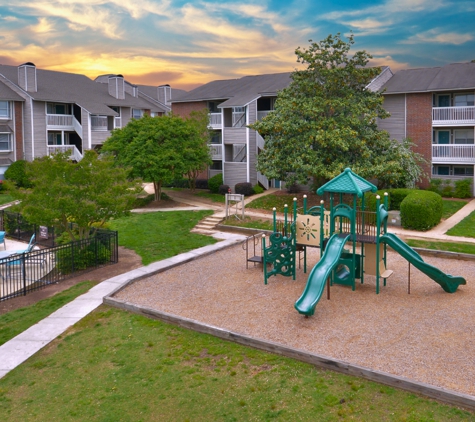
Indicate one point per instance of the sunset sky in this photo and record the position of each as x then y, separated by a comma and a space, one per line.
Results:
188, 43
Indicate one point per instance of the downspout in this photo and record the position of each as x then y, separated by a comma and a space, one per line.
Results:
89, 132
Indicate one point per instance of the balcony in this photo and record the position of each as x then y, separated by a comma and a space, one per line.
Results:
262, 113
75, 153
453, 116
59, 121
215, 121
99, 123
216, 151
453, 153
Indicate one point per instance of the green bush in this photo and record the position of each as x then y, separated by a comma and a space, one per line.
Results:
370, 200
223, 189
215, 182
16, 173
421, 210
435, 185
257, 189
463, 188
447, 189
77, 257
244, 188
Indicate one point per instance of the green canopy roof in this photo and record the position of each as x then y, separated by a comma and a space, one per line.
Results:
347, 182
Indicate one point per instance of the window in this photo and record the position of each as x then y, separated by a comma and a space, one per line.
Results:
4, 110
213, 107
216, 165
463, 100
137, 113
57, 108
5, 142
54, 138
463, 136
445, 170
216, 138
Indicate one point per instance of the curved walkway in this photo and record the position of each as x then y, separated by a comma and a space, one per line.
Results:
20, 348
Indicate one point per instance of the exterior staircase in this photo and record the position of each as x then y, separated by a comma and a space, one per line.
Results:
208, 224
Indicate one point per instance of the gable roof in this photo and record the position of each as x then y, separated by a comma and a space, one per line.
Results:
455, 76
7, 94
238, 92
75, 88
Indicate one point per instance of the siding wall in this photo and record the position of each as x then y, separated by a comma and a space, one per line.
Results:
396, 124
233, 135
39, 125
99, 137
85, 129
419, 126
252, 157
234, 173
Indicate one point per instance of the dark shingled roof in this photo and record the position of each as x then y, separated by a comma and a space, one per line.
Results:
7, 94
456, 76
238, 92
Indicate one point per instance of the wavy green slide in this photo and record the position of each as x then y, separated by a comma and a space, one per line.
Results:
317, 278
448, 282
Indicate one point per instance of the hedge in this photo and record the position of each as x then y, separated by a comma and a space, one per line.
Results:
421, 210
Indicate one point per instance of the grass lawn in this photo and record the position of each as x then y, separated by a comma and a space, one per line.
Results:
465, 228
443, 246
117, 366
17, 321
249, 222
159, 235
215, 197
451, 207
5, 198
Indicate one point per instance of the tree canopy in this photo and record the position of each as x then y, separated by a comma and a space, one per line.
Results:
161, 149
326, 120
88, 193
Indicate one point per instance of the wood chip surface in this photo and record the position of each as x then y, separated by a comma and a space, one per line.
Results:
427, 336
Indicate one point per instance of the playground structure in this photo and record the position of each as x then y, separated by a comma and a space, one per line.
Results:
352, 240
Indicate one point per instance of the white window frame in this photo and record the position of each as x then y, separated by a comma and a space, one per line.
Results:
468, 100
468, 140
7, 109
8, 141
138, 111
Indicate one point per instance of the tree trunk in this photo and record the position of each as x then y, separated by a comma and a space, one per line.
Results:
157, 186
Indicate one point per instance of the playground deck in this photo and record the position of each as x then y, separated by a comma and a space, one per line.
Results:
427, 336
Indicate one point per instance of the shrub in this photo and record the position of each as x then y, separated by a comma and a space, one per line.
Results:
421, 210
244, 188
257, 189
463, 188
223, 189
435, 185
370, 200
144, 201
76, 257
447, 190
215, 182
16, 173
293, 188
201, 184
177, 183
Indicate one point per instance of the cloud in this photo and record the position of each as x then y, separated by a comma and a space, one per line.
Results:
436, 36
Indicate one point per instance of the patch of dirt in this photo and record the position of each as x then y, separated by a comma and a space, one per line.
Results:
164, 203
128, 261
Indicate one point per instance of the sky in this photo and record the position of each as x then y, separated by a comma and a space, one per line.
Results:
188, 43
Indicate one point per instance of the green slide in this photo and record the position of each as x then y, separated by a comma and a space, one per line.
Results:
306, 304
448, 282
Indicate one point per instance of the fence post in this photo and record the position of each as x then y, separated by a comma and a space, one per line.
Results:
23, 272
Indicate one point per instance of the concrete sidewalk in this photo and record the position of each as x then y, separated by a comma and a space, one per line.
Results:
26, 344
20, 348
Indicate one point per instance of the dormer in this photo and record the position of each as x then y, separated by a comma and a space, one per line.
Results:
117, 86
131, 89
164, 93
27, 77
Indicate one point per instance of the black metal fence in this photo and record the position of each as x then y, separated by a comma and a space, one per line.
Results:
26, 272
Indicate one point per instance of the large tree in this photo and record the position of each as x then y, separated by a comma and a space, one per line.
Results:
326, 120
160, 149
88, 193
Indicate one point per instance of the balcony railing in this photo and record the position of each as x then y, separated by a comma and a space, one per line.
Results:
453, 153
215, 120
261, 114
443, 116
75, 154
216, 151
59, 121
260, 141
99, 123
264, 181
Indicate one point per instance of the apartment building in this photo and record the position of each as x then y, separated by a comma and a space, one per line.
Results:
43, 111
434, 107
233, 104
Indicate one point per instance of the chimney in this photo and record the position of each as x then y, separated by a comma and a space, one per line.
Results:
27, 77
165, 94
116, 86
